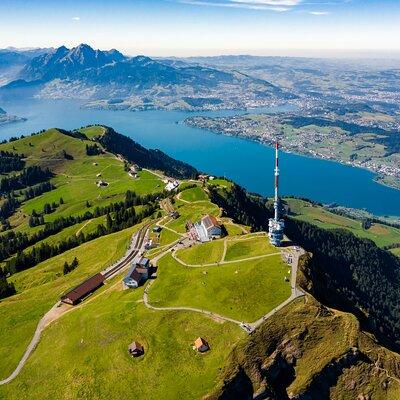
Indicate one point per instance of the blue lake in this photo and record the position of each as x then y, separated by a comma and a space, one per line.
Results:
248, 163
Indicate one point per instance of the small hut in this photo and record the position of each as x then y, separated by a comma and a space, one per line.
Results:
201, 345
136, 349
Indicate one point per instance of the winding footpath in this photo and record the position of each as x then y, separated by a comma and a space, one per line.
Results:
248, 327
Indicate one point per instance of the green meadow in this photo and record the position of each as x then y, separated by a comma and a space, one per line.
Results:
245, 290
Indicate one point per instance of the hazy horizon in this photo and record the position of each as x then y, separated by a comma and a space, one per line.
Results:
312, 28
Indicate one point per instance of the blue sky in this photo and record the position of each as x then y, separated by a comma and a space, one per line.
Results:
207, 27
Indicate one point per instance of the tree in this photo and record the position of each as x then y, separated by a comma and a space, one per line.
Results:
66, 268
61, 201
47, 208
74, 263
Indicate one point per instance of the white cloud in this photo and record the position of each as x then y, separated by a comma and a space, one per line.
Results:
76, 19
268, 5
269, 2
319, 12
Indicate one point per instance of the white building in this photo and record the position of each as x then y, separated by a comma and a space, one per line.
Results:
171, 185
208, 229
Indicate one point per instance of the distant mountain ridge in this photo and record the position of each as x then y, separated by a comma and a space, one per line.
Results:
109, 79
63, 63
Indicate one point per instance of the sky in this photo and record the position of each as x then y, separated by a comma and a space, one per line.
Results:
207, 27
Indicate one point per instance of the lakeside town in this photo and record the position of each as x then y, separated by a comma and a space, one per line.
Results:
360, 150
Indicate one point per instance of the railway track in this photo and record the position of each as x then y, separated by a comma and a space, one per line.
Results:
137, 248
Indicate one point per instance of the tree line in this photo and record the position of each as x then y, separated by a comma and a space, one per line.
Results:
12, 202
93, 150
28, 177
353, 274
146, 158
121, 219
17, 241
11, 162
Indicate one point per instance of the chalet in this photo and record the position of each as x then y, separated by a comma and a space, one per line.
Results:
133, 278
201, 345
137, 274
212, 226
157, 229
202, 177
135, 349
84, 289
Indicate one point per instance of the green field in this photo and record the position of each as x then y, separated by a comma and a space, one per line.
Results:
243, 290
193, 194
92, 361
382, 235
40, 287
396, 251
205, 253
250, 246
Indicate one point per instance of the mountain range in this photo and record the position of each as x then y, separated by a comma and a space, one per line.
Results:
111, 79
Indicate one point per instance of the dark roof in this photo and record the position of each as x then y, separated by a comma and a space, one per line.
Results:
137, 276
85, 288
210, 221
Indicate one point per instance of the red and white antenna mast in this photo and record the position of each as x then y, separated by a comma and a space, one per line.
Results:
276, 199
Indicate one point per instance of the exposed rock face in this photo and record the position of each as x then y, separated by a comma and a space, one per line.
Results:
309, 352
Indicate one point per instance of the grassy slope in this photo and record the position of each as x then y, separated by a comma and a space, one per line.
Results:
92, 360
205, 253
76, 179
243, 290
194, 194
192, 212
251, 246
167, 237
382, 235
40, 287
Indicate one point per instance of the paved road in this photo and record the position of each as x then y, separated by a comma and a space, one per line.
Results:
136, 248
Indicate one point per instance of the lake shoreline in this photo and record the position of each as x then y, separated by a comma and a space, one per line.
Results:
249, 163
378, 177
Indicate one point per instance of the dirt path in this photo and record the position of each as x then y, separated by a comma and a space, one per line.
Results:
60, 309
82, 227
248, 327
222, 262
